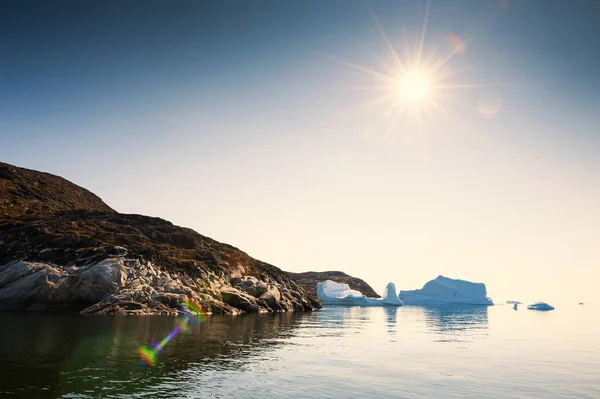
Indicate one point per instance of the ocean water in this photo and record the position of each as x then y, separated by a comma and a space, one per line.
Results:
340, 352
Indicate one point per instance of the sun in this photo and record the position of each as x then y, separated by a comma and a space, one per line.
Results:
418, 84
414, 87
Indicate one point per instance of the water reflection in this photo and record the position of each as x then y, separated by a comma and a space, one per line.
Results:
339, 353
391, 321
49, 355
454, 323
450, 323
340, 320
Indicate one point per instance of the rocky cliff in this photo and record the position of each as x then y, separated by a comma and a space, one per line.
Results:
309, 282
63, 249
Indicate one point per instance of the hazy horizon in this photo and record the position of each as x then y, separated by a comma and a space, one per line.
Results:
265, 128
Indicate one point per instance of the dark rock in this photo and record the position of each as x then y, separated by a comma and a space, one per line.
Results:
276, 307
25, 192
251, 291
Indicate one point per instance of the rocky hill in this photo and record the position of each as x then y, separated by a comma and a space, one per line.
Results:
309, 282
63, 249
25, 192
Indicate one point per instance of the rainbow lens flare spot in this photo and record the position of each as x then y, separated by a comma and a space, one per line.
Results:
195, 312
148, 355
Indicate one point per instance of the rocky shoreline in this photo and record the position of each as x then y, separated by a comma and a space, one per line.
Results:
61, 254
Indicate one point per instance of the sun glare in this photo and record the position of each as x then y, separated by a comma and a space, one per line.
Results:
418, 83
414, 87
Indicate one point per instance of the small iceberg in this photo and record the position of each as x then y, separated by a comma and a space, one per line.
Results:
540, 306
332, 293
443, 290
513, 302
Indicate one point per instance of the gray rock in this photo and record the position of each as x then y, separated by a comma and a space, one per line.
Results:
23, 284
237, 299
272, 296
250, 281
124, 286
262, 287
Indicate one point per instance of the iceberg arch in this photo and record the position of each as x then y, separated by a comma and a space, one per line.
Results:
331, 293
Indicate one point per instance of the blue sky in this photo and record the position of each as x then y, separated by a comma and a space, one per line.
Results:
247, 123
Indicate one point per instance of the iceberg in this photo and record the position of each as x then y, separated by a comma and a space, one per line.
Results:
540, 306
443, 290
332, 293
513, 302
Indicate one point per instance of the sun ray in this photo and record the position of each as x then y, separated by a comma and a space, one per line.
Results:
358, 68
380, 100
423, 32
469, 85
448, 73
386, 99
386, 41
396, 114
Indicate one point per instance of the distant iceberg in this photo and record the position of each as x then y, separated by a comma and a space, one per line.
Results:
513, 302
444, 290
540, 306
332, 293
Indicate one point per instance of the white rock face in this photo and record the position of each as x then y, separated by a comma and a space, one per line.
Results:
540, 306
444, 290
332, 293
37, 285
41, 286
118, 285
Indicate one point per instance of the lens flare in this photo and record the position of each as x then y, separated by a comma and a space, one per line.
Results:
148, 355
489, 107
457, 45
193, 306
194, 313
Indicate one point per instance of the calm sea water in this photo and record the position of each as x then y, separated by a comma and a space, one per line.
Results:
409, 352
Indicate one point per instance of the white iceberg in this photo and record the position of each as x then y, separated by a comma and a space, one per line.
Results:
444, 290
540, 306
332, 293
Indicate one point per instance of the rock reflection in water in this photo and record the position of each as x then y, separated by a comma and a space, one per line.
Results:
97, 355
456, 322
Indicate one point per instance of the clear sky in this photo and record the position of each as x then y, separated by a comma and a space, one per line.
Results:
262, 124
